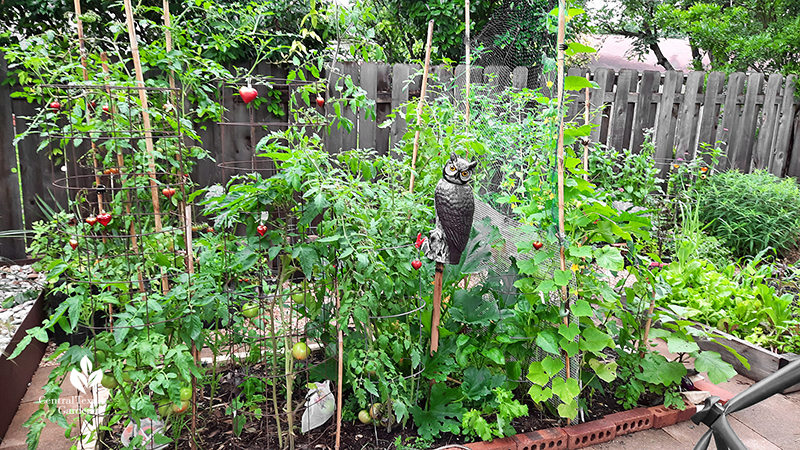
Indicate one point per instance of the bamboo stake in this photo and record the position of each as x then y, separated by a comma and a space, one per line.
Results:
586, 140
560, 150
467, 56
195, 354
340, 366
82, 48
148, 135
420, 103
121, 165
173, 99
643, 342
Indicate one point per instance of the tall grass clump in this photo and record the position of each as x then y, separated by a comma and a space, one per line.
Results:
750, 212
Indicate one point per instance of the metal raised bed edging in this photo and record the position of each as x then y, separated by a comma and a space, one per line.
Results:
18, 373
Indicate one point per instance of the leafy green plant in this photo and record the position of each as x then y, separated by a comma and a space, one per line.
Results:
751, 212
625, 175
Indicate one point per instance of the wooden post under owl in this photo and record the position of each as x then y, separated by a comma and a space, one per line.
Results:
454, 203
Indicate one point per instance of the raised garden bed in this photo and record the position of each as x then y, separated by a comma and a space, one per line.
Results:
17, 374
763, 362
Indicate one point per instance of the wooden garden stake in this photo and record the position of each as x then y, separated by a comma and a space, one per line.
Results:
422, 91
643, 342
467, 56
340, 365
137, 66
195, 353
148, 135
560, 150
82, 48
586, 140
437, 306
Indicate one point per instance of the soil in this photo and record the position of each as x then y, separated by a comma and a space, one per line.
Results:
215, 429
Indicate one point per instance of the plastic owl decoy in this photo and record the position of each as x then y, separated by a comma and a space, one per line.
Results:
455, 205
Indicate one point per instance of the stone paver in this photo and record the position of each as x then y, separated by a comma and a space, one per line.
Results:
645, 439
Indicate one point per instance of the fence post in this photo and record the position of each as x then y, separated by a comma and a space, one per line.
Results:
11, 217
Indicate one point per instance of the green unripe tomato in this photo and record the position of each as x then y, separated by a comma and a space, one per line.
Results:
108, 381
165, 410
364, 417
186, 393
250, 310
126, 373
299, 298
300, 351
99, 358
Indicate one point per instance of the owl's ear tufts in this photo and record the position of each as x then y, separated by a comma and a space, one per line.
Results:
472, 165
453, 157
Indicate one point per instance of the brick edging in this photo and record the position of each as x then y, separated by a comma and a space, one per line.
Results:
601, 430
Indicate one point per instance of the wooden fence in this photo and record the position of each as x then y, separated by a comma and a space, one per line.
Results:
754, 119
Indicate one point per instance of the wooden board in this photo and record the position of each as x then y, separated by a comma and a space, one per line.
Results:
742, 150
11, 217
688, 115
762, 155
350, 69
709, 117
384, 108
400, 74
643, 114
519, 77
367, 127
794, 164
783, 135
619, 116
605, 79
665, 125
730, 119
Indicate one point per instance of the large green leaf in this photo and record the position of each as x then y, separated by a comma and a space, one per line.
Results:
471, 308
594, 340
444, 414
678, 344
567, 389
605, 371
718, 370
548, 339
478, 383
609, 258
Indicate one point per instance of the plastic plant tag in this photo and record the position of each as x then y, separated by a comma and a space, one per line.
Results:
148, 430
320, 406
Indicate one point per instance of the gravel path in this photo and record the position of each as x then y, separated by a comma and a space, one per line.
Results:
19, 288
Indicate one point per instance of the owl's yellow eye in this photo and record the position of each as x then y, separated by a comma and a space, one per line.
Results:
452, 168
465, 173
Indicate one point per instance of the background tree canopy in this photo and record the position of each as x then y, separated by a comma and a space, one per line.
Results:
736, 35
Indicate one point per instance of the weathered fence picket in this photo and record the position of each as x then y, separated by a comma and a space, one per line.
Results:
756, 124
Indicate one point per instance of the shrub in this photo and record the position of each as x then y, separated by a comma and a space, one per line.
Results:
750, 212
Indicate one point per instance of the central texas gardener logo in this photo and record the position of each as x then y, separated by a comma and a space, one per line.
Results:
85, 379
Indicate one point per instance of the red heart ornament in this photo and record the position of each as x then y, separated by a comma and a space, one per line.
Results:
261, 229
73, 243
320, 101
168, 192
416, 264
55, 106
91, 220
537, 245
104, 218
248, 93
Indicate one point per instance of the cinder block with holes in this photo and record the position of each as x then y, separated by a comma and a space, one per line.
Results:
589, 433
495, 444
630, 421
663, 416
547, 439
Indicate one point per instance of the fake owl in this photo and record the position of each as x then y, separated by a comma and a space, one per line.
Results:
455, 204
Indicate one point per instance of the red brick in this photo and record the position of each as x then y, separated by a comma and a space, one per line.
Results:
547, 439
713, 389
663, 416
630, 421
687, 413
589, 433
495, 444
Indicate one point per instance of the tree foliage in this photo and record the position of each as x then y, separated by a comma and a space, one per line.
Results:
739, 35
735, 35
401, 26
